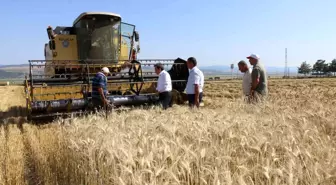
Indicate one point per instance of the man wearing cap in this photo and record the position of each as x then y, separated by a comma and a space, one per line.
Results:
195, 83
259, 89
99, 88
164, 86
247, 80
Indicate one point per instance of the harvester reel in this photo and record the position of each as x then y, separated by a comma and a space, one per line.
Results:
135, 73
179, 71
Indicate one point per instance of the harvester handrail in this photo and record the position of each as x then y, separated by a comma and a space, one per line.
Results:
101, 64
110, 82
37, 60
83, 62
112, 79
74, 74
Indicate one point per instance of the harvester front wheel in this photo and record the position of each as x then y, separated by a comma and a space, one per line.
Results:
136, 79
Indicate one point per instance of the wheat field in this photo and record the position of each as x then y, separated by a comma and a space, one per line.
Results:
288, 140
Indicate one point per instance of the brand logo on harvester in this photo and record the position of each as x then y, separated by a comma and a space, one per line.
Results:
65, 43
67, 39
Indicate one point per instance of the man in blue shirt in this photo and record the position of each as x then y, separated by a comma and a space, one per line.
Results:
99, 88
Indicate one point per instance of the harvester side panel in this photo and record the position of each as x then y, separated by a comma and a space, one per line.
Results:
48, 95
66, 47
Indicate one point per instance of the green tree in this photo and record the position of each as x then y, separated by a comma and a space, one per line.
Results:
332, 66
326, 68
320, 67
305, 68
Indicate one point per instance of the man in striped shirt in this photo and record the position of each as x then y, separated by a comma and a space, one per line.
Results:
99, 88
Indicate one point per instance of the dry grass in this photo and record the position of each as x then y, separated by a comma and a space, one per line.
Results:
288, 140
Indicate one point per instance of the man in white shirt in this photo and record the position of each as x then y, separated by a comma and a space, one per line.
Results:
195, 83
247, 79
164, 86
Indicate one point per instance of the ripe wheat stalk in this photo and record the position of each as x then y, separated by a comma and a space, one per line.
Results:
288, 140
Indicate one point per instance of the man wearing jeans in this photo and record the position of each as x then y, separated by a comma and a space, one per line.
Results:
195, 83
99, 89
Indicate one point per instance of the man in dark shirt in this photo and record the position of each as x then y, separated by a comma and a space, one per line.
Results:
259, 89
99, 88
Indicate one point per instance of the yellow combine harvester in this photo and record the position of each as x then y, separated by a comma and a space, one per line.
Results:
61, 84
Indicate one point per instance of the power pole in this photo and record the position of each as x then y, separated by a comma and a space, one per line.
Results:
286, 70
232, 66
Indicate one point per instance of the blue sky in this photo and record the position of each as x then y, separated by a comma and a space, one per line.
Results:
217, 32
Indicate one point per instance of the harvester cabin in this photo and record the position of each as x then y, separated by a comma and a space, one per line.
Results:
94, 37
98, 35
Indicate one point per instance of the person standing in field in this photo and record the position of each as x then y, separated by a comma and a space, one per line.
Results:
247, 79
164, 86
99, 89
195, 83
259, 89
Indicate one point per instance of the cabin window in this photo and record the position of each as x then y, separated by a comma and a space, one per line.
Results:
98, 39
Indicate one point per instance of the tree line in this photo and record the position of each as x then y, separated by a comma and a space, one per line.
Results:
321, 67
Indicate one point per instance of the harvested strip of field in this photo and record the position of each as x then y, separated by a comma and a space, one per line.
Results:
12, 102
11, 96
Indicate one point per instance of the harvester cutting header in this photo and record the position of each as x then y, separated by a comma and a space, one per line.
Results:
62, 82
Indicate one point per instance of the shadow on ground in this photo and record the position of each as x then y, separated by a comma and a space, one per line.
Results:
16, 114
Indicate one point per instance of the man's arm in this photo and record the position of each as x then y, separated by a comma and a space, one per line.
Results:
159, 84
101, 92
249, 79
255, 79
100, 89
197, 95
196, 88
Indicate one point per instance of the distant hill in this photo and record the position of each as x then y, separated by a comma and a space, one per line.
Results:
16, 65
7, 75
226, 69
20, 68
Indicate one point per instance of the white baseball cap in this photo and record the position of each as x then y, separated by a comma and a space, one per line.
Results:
255, 56
105, 70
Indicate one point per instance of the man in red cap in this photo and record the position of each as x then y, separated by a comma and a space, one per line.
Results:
259, 89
